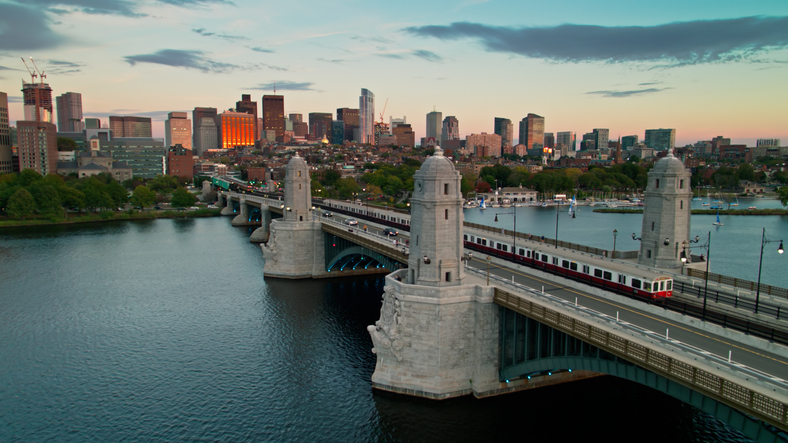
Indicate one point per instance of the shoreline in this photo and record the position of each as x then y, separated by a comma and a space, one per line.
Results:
116, 216
703, 211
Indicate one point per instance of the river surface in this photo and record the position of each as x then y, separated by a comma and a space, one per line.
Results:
165, 330
735, 246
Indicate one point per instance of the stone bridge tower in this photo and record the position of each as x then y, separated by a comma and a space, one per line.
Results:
437, 336
295, 248
666, 214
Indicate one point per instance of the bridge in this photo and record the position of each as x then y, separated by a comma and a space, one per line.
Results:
448, 328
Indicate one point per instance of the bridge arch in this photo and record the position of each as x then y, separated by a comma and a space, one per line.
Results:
358, 255
255, 215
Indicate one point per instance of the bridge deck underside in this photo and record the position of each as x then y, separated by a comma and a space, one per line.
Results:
346, 245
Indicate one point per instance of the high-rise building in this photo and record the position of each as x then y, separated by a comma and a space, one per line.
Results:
450, 129
484, 144
300, 127
130, 126
237, 129
628, 141
37, 146
568, 139
207, 136
197, 124
366, 116
178, 130
92, 123
69, 112
274, 114
434, 119
337, 132
660, 139
404, 134
247, 106
395, 121
504, 128
320, 124
767, 143
37, 99
601, 138
549, 140
589, 142
6, 156
532, 131
350, 117
180, 162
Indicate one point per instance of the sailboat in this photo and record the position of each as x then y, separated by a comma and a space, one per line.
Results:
718, 222
735, 204
708, 200
572, 204
482, 205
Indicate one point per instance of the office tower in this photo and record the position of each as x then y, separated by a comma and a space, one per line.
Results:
366, 116
37, 146
767, 143
237, 129
274, 114
207, 136
92, 123
601, 138
628, 141
404, 134
69, 112
484, 144
6, 157
178, 130
247, 106
532, 131
549, 140
350, 117
197, 116
337, 132
450, 129
434, 119
660, 139
37, 99
504, 128
568, 139
320, 124
130, 126
396, 121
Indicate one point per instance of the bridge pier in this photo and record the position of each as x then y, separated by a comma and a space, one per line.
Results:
261, 234
242, 219
228, 204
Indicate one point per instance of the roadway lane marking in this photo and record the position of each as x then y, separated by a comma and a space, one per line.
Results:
625, 308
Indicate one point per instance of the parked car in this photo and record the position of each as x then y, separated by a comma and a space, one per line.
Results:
390, 232
351, 222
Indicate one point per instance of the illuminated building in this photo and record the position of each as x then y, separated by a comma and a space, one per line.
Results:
237, 129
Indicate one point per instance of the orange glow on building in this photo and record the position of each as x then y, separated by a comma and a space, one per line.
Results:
237, 129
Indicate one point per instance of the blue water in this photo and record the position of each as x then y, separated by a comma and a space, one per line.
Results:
165, 330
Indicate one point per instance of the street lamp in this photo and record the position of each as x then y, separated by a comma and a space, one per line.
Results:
514, 230
780, 250
489, 259
615, 234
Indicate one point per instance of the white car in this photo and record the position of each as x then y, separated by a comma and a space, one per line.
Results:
351, 222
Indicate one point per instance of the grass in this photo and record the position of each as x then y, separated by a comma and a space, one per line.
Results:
110, 216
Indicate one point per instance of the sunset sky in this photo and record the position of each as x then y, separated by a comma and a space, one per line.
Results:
705, 68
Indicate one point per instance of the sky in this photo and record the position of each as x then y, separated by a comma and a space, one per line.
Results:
705, 68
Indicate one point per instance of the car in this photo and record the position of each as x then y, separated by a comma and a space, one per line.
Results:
390, 232
351, 222
328, 214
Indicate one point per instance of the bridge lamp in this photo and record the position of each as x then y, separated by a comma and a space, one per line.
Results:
281, 206
288, 209
780, 250
667, 241
426, 260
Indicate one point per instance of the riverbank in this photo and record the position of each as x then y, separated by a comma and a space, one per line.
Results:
110, 216
703, 211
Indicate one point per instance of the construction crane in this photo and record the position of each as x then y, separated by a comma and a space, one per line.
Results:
384, 110
32, 73
41, 74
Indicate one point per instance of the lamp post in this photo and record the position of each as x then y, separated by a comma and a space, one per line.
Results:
556, 224
489, 259
615, 234
685, 258
514, 230
780, 250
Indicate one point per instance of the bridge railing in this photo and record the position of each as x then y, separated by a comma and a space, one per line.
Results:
752, 286
755, 402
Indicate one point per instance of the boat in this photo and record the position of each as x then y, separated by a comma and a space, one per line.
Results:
482, 205
708, 200
718, 222
752, 207
734, 204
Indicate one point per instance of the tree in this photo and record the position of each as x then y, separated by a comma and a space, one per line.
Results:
483, 187
782, 193
142, 196
182, 198
47, 199
117, 193
66, 144
21, 204
163, 184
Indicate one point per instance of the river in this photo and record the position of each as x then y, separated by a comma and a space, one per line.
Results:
165, 330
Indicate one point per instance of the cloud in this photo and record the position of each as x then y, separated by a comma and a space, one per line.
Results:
285, 86
391, 55
62, 67
153, 115
259, 49
15, 99
186, 3
677, 44
108, 7
182, 59
649, 83
25, 28
205, 33
427, 55
622, 94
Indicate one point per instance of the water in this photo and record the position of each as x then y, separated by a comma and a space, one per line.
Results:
735, 246
165, 330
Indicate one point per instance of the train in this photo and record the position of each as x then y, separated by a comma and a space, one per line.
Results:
597, 271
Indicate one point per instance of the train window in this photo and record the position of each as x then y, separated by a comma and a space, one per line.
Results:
608, 276
544, 258
622, 279
479, 241
522, 252
472, 238
504, 248
555, 260
636, 283
528, 254
586, 269
565, 263
597, 272
670, 285
647, 286
662, 286
573, 266
484, 242
465, 237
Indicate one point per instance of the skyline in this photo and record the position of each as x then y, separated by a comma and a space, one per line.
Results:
620, 66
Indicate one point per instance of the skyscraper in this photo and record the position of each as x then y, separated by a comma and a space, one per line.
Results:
37, 99
350, 117
532, 131
504, 128
434, 119
248, 106
207, 136
660, 139
366, 116
601, 138
37, 146
568, 139
549, 140
450, 129
300, 128
130, 126
628, 141
320, 124
274, 114
178, 130
238, 129
69, 112
197, 116
6, 164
